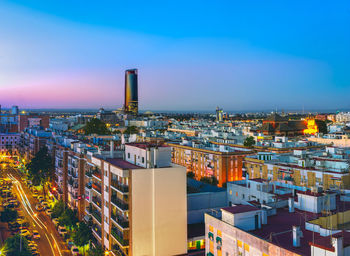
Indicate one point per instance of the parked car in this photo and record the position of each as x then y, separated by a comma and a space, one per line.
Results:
45, 205
55, 222
25, 233
40, 198
35, 194
62, 231
36, 234
74, 250
39, 207
48, 212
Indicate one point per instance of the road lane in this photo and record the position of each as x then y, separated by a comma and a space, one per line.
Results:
51, 243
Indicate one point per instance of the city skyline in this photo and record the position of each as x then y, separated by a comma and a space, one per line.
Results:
190, 56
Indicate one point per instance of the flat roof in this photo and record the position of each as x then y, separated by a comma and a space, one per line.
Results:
145, 145
122, 164
240, 209
279, 225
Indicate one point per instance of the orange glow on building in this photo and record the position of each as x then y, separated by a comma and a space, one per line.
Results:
311, 127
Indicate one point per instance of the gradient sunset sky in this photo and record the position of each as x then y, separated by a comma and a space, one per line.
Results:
191, 55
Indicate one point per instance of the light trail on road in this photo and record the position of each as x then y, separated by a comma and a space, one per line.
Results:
34, 216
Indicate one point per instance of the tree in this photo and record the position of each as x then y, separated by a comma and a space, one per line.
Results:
131, 130
96, 126
41, 169
17, 246
210, 180
322, 126
8, 215
190, 175
68, 218
82, 235
58, 209
96, 251
249, 142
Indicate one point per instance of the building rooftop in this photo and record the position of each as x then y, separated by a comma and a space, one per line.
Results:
240, 209
145, 145
122, 164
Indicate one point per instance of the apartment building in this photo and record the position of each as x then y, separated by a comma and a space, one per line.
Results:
137, 205
327, 168
9, 141
223, 162
311, 223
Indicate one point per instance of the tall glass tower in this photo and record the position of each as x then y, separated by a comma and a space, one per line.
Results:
131, 100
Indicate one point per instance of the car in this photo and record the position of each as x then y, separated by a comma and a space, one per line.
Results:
35, 253
36, 234
40, 198
70, 244
23, 223
25, 233
74, 250
48, 212
45, 205
39, 207
55, 221
35, 194
62, 231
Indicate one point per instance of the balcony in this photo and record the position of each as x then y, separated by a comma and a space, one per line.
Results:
97, 230
97, 187
88, 185
120, 203
119, 186
119, 237
120, 220
96, 173
88, 174
97, 201
97, 216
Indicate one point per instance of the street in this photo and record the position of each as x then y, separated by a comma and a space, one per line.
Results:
50, 242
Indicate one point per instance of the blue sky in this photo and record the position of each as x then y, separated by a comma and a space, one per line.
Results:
191, 55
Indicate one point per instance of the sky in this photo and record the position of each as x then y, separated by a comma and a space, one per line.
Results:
191, 55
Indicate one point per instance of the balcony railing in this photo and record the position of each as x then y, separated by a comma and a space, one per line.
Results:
117, 235
97, 216
97, 230
96, 173
121, 187
123, 222
88, 173
88, 185
97, 201
120, 203
96, 187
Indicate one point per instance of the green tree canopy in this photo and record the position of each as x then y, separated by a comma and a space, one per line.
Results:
210, 180
190, 175
249, 141
96, 251
17, 246
58, 209
8, 215
41, 168
96, 126
131, 130
68, 218
82, 235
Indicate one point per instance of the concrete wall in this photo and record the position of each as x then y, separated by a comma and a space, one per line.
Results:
199, 203
158, 211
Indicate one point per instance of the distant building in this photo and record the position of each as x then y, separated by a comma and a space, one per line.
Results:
219, 114
25, 121
131, 99
278, 125
14, 110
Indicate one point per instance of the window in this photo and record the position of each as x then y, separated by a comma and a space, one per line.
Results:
106, 188
143, 160
129, 155
242, 196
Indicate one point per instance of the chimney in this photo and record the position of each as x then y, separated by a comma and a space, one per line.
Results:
291, 204
112, 149
296, 236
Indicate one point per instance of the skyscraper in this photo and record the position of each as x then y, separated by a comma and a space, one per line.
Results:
131, 95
